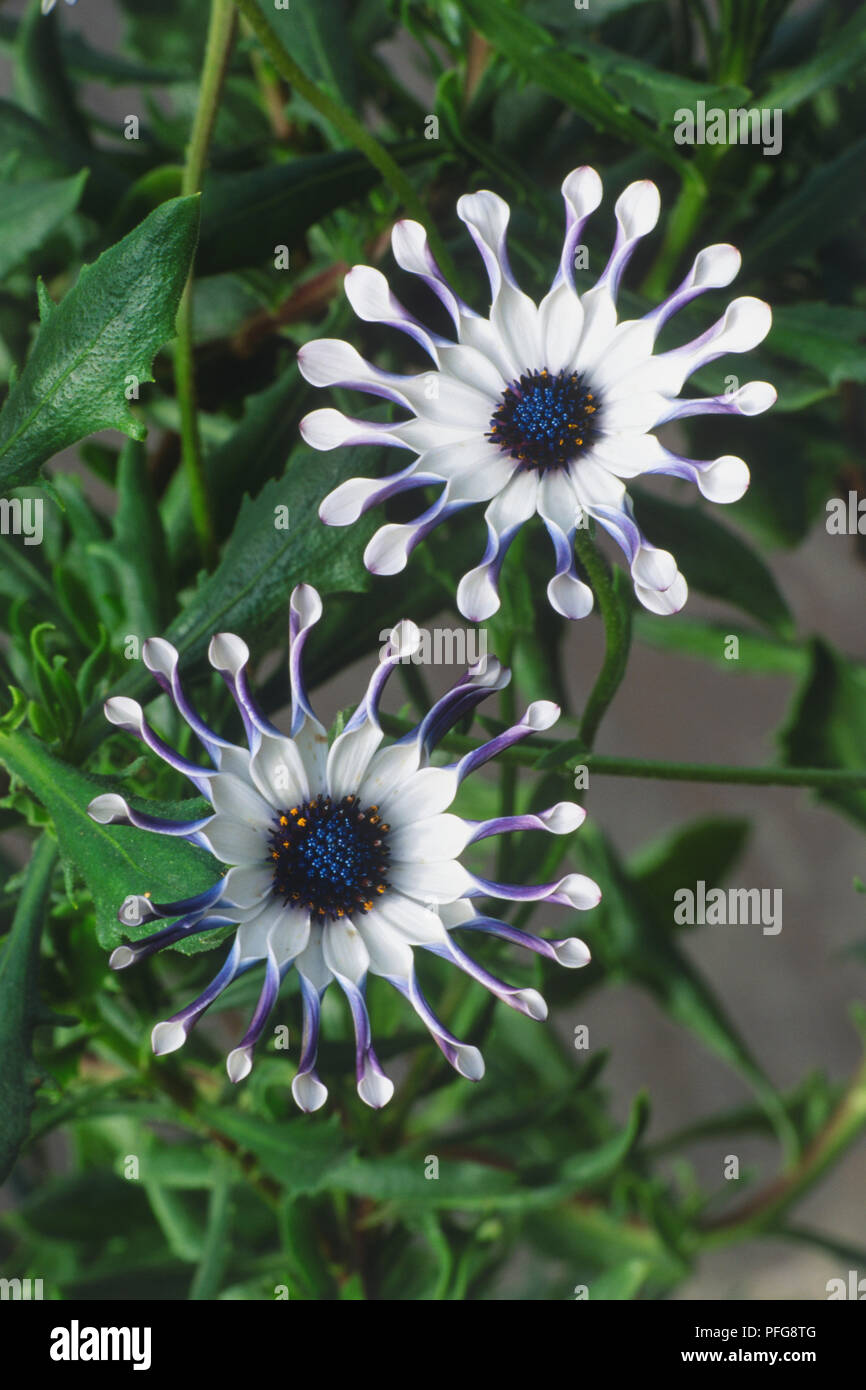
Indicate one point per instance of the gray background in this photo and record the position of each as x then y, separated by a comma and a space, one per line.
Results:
787, 994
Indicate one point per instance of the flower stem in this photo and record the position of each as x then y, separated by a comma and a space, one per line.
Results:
218, 46
527, 754
616, 616
343, 121
764, 1209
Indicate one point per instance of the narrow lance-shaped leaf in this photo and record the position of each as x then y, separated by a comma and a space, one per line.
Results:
107, 330
30, 212
19, 1009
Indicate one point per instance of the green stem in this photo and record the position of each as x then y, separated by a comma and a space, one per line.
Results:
616, 616
345, 122
685, 216
220, 37
765, 1209
820, 778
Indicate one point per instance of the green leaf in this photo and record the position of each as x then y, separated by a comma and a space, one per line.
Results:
537, 55
705, 849
41, 83
109, 327
714, 560
244, 216
828, 338
623, 1282
826, 726
30, 212
838, 59
19, 1005
137, 552
708, 641
317, 36
817, 210
112, 861
256, 450
299, 1155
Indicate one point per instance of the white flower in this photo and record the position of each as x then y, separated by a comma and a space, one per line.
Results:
341, 860
48, 5
543, 408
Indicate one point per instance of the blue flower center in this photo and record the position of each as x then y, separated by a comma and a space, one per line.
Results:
330, 857
545, 420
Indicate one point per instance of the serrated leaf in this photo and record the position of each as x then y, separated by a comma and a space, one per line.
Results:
109, 327
19, 964
112, 861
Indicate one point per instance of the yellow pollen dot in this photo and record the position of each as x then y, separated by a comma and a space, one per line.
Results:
294, 811
578, 441
302, 820
367, 906
284, 820
285, 844
380, 887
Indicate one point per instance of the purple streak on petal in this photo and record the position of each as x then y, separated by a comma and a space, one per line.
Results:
435, 280
491, 749
199, 777
167, 936
368, 709
460, 700
504, 825
683, 407
440, 511
267, 998
563, 548
493, 927
494, 555
365, 1057
685, 292
449, 1045
517, 892
404, 481
621, 525
148, 911
624, 248
509, 994
311, 999
299, 631
573, 232
182, 829
230, 970
210, 741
